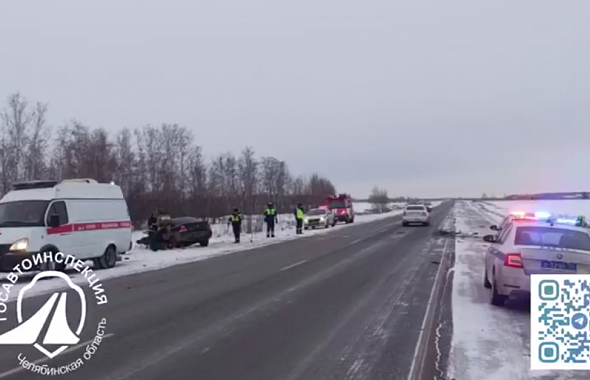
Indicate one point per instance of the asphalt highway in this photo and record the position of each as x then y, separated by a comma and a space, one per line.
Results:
349, 304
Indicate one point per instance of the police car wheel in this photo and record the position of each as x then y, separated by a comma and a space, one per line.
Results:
486, 282
496, 299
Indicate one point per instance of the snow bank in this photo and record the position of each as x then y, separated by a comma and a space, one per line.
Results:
142, 260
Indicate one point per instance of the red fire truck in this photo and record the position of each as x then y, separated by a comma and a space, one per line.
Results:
341, 206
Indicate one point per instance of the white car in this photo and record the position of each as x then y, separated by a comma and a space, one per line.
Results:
416, 214
319, 217
528, 244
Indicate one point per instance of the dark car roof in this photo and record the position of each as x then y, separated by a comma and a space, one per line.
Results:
185, 220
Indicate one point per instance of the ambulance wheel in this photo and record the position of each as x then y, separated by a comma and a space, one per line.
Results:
53, 265
108, 259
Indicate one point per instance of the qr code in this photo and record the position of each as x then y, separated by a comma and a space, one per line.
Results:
560, 313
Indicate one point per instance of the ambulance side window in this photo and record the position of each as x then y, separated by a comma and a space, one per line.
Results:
60, 209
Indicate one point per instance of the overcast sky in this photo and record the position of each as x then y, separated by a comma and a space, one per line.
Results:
423, 98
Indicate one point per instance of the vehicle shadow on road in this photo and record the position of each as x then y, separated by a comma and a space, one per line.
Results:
518, 307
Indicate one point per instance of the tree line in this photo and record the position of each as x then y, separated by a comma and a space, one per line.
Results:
156, 166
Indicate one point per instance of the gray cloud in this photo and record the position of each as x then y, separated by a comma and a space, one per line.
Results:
424, 97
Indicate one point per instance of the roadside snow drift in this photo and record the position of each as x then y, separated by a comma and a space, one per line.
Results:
490, 342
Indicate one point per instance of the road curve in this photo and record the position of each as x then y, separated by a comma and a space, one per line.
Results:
348, 304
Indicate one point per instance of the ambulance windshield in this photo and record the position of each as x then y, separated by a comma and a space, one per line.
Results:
23, 213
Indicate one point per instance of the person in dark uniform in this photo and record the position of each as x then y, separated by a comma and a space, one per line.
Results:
270, 217
236, 222
152, 221
299, 216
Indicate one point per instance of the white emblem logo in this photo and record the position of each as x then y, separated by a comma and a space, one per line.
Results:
49, 326
59, 332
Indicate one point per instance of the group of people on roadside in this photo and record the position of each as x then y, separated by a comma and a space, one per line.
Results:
159, 218
270, 218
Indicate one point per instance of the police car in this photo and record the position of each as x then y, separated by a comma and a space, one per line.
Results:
533, 243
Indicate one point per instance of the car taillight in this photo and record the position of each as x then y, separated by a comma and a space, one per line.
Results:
513, 260
183, 229
405, 212
424, 214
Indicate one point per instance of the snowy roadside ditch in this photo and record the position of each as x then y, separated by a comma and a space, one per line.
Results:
488, 342
140, 260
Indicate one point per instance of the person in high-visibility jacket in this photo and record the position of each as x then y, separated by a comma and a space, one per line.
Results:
299, 217
236, 223
270, 217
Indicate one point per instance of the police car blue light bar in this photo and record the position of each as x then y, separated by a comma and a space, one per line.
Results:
547, 216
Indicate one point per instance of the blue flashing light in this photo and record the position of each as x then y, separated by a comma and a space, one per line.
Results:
573, 222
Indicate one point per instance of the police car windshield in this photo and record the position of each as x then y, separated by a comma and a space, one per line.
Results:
552, 237
23, 213
337, 205
316, 211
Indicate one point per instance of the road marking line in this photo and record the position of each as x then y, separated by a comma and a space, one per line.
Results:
354, 242
411, 374
44, 359
293, 265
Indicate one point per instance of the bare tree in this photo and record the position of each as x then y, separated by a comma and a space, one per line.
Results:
379, 199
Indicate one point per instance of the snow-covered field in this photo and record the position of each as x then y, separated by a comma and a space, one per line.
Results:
142, 260
489, 342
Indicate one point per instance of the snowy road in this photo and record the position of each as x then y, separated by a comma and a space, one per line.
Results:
489, 342
349, 304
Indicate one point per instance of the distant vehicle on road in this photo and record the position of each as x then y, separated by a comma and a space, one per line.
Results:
78, 217
415, 213
184, 231
341, 206
428, 206
533, 243
319, 217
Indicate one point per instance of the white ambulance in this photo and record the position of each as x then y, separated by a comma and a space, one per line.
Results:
80, 217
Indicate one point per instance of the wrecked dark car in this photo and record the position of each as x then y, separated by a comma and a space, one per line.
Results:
178, 233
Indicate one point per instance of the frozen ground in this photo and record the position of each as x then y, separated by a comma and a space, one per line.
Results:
142, 260
491, 343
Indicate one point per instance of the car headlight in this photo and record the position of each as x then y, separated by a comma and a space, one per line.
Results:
20, 245
322, 219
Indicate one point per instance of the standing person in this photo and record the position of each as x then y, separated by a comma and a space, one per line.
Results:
270, 217
152, 222
236, 222
299, 216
